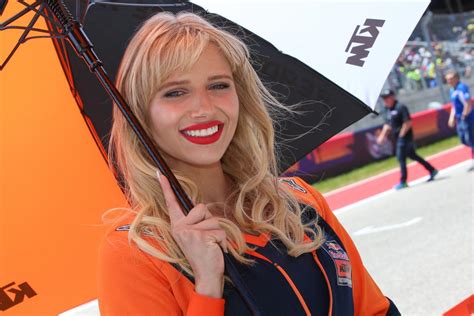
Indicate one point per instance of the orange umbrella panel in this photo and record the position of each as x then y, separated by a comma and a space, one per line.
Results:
54, 184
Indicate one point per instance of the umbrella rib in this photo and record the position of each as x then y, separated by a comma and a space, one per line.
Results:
39, 36
40, 11
19, 14
167, 5
69, 74
22, 38
25, 27
29, 7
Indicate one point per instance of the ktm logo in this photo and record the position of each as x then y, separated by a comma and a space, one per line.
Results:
366, 38
11, 296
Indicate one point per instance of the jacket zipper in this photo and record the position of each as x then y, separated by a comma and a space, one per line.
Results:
287, 278
315, 257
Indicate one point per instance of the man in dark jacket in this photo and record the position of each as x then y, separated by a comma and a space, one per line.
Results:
398, 123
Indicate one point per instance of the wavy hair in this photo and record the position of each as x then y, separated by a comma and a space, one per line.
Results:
259, 203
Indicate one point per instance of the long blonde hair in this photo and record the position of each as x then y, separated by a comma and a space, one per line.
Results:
259, 203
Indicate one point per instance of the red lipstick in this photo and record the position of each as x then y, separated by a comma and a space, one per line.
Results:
203, 140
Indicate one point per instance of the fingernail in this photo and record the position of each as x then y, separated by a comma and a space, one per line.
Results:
158, 174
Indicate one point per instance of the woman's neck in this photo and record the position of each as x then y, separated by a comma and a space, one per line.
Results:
214, 186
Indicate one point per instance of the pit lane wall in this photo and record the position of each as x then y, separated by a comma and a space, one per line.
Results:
347, 151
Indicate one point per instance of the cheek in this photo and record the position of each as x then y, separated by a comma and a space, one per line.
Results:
161, 119
165, 111
233, 108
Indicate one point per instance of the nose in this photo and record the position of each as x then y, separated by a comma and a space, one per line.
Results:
203, 106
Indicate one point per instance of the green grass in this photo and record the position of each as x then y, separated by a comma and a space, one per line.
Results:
378, 167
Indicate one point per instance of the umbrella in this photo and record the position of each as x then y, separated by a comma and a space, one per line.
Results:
343, 90
329, 106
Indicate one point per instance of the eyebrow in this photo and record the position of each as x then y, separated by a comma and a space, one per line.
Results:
181, 82
173, 83
220, 77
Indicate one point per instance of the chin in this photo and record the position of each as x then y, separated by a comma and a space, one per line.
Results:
196, 159
204, 162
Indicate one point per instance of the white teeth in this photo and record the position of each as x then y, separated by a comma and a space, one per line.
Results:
202, 132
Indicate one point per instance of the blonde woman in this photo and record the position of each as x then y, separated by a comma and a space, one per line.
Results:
194, 90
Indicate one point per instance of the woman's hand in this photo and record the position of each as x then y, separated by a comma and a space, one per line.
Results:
201, 238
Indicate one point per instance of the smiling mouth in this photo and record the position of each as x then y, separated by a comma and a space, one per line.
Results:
203, 134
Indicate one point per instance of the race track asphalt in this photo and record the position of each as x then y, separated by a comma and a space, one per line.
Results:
417, 243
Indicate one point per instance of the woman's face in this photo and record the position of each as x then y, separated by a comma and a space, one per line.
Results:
194, 113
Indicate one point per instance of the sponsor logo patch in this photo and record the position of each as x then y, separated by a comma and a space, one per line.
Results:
295, 186
123, 228
126, 228
341, 262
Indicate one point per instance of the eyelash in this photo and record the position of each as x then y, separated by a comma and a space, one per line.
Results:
178, 93
220, 86
172, 94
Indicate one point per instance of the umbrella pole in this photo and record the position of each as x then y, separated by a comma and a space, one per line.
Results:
182, 197
83, 47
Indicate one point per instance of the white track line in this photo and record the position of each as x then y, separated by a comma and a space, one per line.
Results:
88, 309
345, 209
389, 172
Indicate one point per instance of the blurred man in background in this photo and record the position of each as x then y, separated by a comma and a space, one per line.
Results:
398, 123
461, 114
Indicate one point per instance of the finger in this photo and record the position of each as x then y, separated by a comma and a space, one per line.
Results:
208, 224
217, 236
174, 209
223, 245
198, 214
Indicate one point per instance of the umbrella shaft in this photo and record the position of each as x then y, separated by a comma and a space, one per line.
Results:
182, 197
146, 141
84, 48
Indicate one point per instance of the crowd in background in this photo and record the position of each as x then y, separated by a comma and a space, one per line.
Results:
452, 47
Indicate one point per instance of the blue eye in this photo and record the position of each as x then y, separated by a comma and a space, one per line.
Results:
219, 86
174, 94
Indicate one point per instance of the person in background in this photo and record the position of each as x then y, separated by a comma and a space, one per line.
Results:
461, 114
398, 123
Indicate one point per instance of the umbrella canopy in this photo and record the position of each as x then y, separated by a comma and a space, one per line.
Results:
54, 185
54, 188
352, 43
343, 90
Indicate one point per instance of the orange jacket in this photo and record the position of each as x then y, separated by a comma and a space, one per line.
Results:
132, 282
